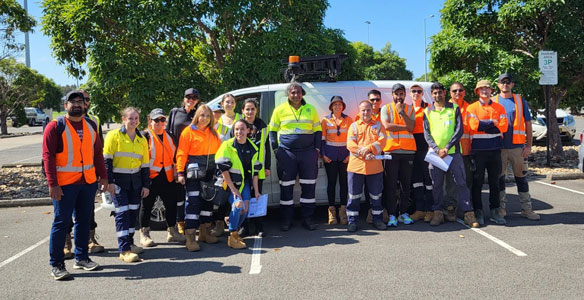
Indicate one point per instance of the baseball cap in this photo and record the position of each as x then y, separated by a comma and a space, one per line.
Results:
73, 94
156, 113
192, 91
398, 86
216, 107
505, 75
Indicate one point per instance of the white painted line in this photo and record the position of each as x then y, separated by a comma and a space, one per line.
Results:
256, 267
34, 157
494, 239
25, 251
560, 187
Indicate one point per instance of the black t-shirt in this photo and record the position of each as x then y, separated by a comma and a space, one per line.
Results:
179, 119
245, 153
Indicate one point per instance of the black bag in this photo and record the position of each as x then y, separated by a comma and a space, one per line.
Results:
210, 191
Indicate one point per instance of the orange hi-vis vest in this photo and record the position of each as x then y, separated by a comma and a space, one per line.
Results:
419, 127
161, 155
76, 160
465, 140
397, 140
518, 124
330, 129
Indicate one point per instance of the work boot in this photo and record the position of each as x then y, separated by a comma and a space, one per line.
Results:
470, 220
136, 250
191, 242
181, 227
94, 246
450, 214
235, 242
128, 256
343, 219
428, 217
530, 214
385, 216
172, 235
352, 227
145, 239
205, 234
332, 215
308, 224
480, 217
496, 217
68, 246
380, 226
369, 219
437, 218
418, 215
218, 229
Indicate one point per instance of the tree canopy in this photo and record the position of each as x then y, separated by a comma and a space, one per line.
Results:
379, 65
13, 18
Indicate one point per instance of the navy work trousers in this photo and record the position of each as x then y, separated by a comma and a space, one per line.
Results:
375, 184
292, 164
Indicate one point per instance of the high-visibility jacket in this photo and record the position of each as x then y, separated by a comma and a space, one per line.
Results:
223, 129
161, 155
362, 134
76, 159
128, 156
196, 146
374, 116
334, 137
442, 124
95, 119
399, 140
297, 129
519, 133
262, 152
227, 159
465, 140
484, 134
419, 127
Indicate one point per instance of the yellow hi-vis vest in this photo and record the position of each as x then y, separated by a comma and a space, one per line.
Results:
227, 155
128, 156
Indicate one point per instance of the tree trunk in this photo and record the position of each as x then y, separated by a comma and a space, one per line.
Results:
556, 147
3, 118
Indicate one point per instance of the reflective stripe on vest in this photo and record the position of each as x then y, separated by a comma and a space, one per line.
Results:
222, 129
519, 134
227, 153
76, 159
161, 155
404, 139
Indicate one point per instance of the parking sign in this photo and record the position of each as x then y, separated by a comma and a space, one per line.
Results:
548, 66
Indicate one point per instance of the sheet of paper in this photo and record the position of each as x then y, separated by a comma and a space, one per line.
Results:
258, 207
435, 160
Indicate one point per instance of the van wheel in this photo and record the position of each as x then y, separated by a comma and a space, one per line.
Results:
158, 215
31, 122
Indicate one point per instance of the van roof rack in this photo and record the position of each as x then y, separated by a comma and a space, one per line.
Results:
313, 68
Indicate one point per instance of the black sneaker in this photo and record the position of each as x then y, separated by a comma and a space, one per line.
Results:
59, 272
352, 227
87, 265
309, 225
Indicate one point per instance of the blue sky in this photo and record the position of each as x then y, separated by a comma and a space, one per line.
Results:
399, 22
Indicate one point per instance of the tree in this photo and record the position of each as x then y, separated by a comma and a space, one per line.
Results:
12, 18
481, 39
146, 53
378, 65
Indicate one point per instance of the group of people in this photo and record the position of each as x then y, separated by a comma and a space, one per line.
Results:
379, 155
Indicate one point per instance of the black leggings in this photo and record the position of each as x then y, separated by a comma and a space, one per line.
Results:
336, 169
167, 191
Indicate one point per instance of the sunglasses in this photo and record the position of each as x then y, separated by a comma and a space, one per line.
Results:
506, 82
457, 91
417, 91
375, 99
338, 130
86, 99
76, 102
191, 97
160, 120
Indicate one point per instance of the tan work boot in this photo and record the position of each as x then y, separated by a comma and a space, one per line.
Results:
332, 215
68, 246
235, 242
181, 227
369, 219
418, 215
172, 235
428, 217
385, 216
470, 220
218, 229
450, 214
191, 242
530, 214
136, 250
94, 246
343, 219
437, 218
129, 257
205, 234
145, 239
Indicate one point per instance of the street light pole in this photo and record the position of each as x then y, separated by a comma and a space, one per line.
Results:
368, 23
426, 50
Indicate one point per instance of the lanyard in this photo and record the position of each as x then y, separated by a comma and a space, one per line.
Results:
299, 112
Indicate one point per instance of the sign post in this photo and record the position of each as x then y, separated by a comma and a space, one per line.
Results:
548, 66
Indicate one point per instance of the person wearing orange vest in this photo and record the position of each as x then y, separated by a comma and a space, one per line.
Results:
421, 181
195, 162
73, 163
457, 93
336, 156
487, 121
516, 145
399, 119
366, 139
163, 173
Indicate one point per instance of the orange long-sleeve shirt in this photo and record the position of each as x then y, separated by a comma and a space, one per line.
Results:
195, 142
370, 135
485, 134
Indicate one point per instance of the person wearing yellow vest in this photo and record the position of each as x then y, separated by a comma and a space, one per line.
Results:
295, 135
128, 165
457, 93
442, 130
163, 174
421, 181
221, 211
336, 157
195, 162
399, 120
224, 123
73, 163
237, 159
516, 145
223, 131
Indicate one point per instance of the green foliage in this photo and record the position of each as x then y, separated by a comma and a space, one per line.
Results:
12, 18
379, 65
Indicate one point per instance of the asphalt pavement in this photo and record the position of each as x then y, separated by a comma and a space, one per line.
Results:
525, 259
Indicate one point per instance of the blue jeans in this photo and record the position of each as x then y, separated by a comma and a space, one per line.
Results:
235, 216
77, 199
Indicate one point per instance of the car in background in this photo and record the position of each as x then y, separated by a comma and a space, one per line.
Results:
581, 153
35, 116
566, 123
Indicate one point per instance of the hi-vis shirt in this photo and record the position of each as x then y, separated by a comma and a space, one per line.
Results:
295, 129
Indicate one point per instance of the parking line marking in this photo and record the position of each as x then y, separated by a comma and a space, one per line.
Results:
256, 267
34, 157
25, 251
560, 187
494, 239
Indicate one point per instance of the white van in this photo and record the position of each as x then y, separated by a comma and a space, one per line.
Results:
319, 95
